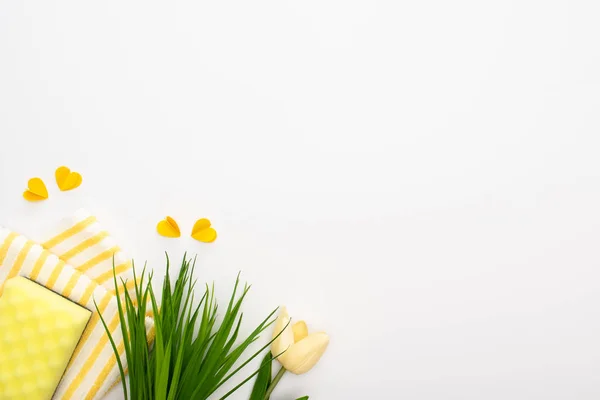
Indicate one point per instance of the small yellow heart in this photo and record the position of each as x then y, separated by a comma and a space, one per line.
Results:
168, 228
36, 190
203, 232
67, 180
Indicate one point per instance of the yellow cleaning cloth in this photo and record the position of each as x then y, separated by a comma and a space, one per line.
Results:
82, 242
38, 333
93, 368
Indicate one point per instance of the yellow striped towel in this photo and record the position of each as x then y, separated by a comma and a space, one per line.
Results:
80, 241
93, 368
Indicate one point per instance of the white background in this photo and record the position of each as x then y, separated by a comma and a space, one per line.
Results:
419, 179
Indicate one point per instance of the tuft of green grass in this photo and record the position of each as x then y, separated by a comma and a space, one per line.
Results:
194, 352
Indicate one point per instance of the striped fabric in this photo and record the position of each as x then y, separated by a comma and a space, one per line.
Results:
77, 263
80, 241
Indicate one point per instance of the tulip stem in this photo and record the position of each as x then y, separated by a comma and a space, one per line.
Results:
275, 382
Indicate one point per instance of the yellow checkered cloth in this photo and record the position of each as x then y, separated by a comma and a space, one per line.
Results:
77, 263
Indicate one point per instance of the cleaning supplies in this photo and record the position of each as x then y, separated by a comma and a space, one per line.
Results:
39, 331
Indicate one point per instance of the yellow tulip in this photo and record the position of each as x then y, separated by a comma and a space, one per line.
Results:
299, 350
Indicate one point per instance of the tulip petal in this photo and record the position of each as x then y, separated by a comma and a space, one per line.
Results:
300, 331
302, 356
286, 339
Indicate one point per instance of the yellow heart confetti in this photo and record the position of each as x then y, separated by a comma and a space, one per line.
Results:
36, 190
168, 228
203, 232
67, 180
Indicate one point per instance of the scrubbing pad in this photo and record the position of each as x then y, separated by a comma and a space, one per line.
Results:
39, 331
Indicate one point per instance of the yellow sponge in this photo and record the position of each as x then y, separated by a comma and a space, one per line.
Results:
39, 331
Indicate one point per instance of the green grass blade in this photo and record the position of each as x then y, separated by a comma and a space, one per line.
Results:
263, 379
114, 347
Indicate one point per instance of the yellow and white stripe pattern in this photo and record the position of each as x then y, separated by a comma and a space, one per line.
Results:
80, 241
80, 275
